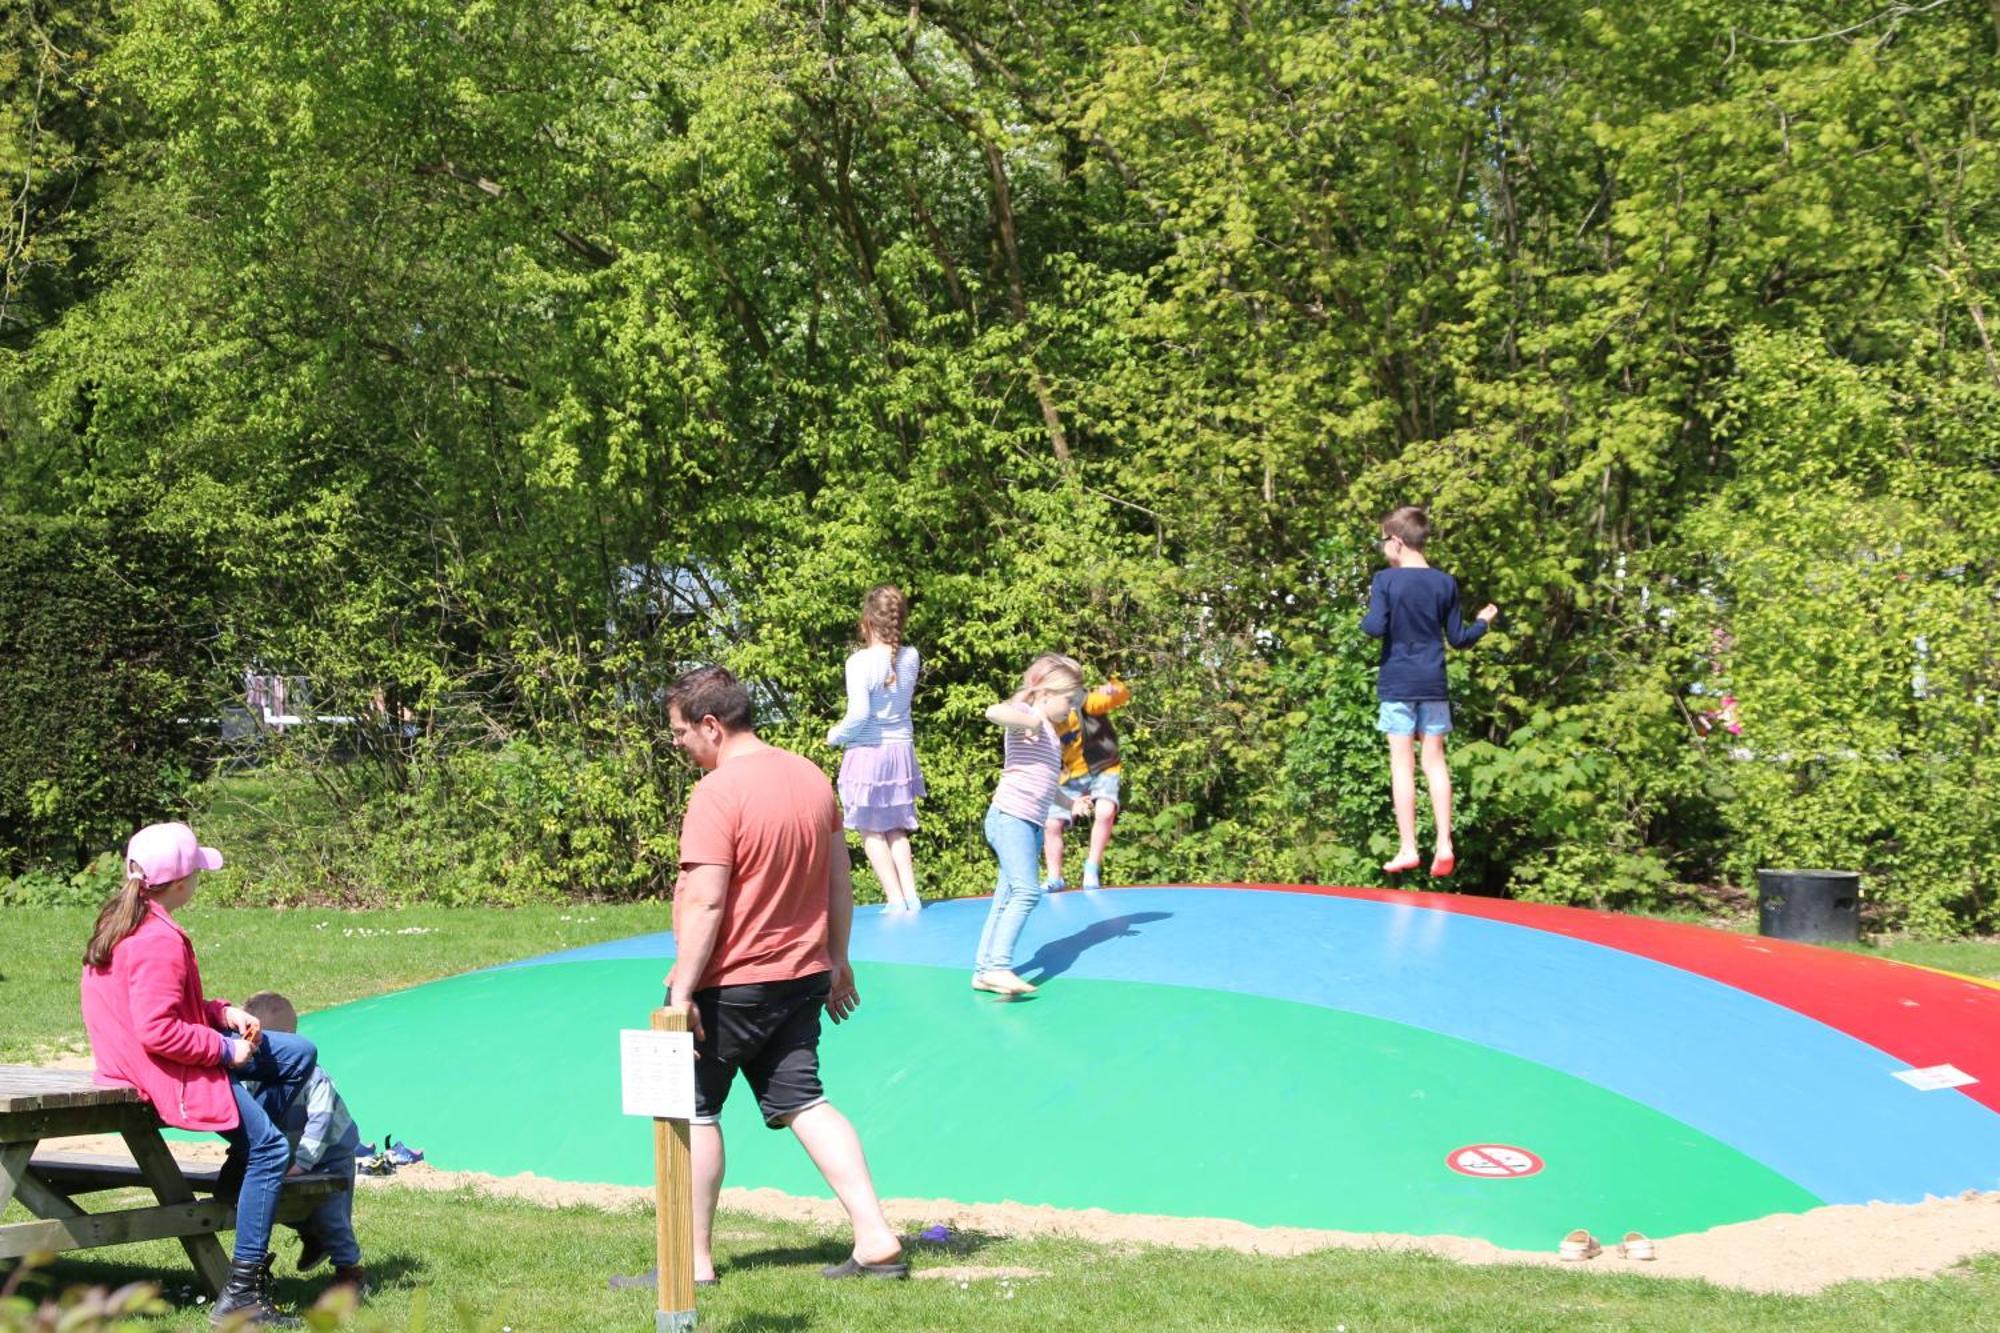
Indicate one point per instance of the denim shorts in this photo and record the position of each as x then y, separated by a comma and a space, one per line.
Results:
770, 1031
1097, 786
1432, 717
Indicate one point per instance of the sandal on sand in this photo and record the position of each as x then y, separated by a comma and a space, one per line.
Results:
853, 1267
1636, 1246
1579, 1245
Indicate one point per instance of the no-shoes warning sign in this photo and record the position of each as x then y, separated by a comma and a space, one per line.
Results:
1493, 1161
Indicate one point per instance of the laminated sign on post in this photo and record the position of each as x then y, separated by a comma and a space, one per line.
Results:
658, 1072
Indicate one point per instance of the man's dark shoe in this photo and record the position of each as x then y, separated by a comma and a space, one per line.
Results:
894, 1270
246, 1298
351, 1275
312, 1253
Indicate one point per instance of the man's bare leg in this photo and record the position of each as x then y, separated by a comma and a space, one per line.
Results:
706, 1157
835, 1149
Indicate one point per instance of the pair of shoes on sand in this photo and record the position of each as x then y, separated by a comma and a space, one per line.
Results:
1580, 1244
1441, 865
393, 1154
1001, 981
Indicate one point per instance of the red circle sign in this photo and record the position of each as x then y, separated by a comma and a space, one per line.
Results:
1493, 1161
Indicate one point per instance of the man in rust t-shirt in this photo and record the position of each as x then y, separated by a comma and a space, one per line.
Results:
761, 919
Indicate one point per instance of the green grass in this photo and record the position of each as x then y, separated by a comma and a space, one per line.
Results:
487, 1263
317, 957
1973, 958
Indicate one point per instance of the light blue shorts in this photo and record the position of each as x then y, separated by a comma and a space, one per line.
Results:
1432, 717
1097, 786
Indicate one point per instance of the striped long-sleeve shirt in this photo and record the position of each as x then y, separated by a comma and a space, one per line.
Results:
318, 1122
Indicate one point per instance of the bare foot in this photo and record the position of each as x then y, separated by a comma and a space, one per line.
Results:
1407, 859
1443, 863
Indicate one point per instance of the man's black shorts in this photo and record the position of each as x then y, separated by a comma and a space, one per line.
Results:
769, 1030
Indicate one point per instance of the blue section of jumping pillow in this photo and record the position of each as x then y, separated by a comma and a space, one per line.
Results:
1802, 1098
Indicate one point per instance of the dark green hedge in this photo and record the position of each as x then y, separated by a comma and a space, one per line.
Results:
99, 668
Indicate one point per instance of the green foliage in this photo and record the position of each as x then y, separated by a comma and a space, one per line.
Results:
99, 664
44, 886
76, 1309
1862, 613
531, 351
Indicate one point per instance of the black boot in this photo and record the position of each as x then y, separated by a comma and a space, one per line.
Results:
246, 1298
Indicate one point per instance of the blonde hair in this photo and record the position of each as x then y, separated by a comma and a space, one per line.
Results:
120, 916
1052, 673
883, 611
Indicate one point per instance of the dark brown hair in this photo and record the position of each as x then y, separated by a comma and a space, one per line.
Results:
711, 691
882, 614
1409, 525
119, 917
273, 1010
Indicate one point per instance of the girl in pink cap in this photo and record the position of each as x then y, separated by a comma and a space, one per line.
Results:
152, 1029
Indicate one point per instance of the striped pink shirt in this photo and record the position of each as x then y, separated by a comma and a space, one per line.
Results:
1029, 773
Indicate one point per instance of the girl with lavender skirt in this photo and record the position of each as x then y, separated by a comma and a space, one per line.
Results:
880, 782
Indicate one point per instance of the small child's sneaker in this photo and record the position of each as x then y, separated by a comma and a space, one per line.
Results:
401, 1154
1091, 878
1054, 885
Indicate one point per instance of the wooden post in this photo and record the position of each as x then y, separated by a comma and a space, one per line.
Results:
673, 1209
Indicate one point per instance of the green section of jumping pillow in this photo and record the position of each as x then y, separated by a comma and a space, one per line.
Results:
1126, 1096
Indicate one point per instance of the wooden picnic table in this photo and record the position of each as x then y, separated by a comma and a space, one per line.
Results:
38, 1104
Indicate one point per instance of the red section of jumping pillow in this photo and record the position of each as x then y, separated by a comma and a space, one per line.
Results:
1923, 1017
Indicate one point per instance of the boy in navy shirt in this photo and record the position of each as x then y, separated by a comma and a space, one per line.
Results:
1413, 610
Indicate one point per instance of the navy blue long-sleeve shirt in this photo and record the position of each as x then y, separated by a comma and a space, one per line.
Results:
1414, 612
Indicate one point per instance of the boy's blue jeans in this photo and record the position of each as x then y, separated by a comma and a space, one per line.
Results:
1018, 844
331, 1225
259, 1152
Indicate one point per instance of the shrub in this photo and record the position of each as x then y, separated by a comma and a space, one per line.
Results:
99, 675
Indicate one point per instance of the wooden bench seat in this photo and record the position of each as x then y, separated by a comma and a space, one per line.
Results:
39, 1104
68, 1174
87, 1173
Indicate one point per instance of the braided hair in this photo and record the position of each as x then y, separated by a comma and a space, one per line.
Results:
882, 613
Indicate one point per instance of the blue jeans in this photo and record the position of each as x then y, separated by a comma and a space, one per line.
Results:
1018, 844
331, 1225
259, 1152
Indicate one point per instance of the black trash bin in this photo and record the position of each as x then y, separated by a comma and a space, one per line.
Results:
1815, 905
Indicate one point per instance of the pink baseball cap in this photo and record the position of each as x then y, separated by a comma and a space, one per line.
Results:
164, 853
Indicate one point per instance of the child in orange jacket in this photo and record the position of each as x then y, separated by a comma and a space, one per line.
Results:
1092, 774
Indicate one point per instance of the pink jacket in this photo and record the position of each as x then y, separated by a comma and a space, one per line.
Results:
151, 1029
